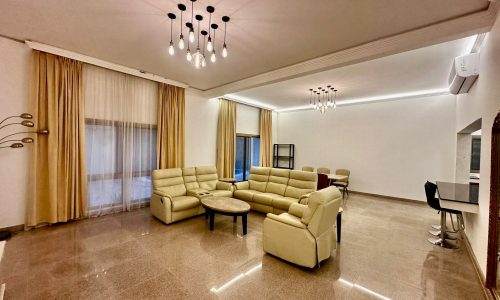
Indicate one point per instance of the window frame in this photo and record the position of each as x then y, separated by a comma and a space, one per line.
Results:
117, 125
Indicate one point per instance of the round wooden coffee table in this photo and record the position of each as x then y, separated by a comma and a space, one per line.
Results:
225, 206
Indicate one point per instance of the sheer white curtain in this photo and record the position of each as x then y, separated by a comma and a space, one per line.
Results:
120, 128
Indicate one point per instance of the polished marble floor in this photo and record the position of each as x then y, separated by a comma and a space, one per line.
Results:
383, 254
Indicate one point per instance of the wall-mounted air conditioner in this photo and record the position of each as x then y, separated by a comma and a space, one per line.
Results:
464, 73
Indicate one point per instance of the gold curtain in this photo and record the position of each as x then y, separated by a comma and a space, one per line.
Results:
170, 130
226, 138
59, 177
266, 137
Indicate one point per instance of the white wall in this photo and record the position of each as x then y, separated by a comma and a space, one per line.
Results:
391, 148
201, 130
247, 119
482, 101
14, 100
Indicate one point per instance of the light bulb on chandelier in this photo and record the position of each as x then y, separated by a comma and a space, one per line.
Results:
225, 19
197, 55
191, 29
171, 49
181, 45
210, 46
224, 51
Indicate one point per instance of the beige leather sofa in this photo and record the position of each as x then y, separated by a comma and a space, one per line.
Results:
306, 234
274, 190
177, 192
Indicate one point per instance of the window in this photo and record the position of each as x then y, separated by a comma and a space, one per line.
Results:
247, 155
120, 159
475, 161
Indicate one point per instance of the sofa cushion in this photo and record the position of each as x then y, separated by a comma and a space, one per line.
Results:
184, 202
259, 176
284, 203
278, 180
207, 177
189, 176
301, 183
266, 198
222, 193
169, 181
246, 195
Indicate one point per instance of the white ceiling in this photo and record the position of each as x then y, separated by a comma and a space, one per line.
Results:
422, 69
263, 35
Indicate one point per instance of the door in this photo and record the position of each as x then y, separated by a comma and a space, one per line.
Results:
247, 155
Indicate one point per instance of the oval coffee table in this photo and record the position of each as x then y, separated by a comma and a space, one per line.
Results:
226, 206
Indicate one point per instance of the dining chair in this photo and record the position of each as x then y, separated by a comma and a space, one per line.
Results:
323, 171
344, 183
308, 169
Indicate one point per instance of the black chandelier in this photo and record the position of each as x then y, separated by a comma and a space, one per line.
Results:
197, 57
322, 99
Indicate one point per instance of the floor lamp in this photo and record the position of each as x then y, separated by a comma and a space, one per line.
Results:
11, 141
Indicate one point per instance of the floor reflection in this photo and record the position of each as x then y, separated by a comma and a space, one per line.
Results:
384, 254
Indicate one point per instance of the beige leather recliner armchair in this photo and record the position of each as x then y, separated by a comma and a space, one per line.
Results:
177, 192
306, 234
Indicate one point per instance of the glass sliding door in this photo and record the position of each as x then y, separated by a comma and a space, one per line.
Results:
247, 155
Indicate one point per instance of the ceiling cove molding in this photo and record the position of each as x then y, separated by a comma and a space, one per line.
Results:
102, 63
461, 27
376, 99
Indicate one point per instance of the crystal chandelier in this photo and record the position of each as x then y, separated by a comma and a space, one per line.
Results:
197, 57
323, 99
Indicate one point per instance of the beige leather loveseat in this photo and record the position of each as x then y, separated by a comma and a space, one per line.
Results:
177, 192
274, 190
306, 234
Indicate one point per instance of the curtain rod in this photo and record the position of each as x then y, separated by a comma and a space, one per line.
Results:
102, 63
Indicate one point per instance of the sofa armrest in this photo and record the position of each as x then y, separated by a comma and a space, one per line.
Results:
304, 199
297, 209
244, 185
198, 193
162, 194
221, 185
287, 221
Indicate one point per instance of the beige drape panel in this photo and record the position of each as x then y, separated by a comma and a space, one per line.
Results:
266, 137
226, 138
170, 131
59, 179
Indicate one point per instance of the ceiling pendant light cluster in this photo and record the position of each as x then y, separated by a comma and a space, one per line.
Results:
322, 99
198, 58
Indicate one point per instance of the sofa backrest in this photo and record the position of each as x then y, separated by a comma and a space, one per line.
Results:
259, 176
301, 183
322, 209
169, 181
189, 175
278, 181
207, 177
